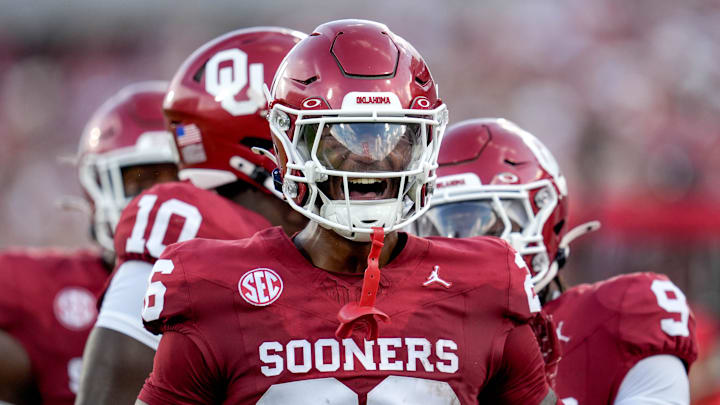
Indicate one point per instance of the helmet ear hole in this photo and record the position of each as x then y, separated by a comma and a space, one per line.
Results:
197, 77
254, 142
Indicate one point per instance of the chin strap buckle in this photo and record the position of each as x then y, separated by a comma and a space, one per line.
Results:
364, 311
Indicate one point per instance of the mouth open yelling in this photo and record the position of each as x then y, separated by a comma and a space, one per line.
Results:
363, 188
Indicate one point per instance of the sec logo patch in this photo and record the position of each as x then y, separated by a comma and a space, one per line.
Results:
260, 287
75, 308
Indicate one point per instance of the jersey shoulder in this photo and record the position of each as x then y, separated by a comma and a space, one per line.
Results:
30, 264
490, 266
645, 312
184, 286
35, 283
479, 259
43, 256
178, 211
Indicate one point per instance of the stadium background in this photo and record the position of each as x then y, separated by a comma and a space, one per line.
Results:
625, 94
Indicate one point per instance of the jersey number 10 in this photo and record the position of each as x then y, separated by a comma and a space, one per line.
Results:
136, 243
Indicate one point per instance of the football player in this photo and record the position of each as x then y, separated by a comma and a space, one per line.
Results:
216, 108
626, 340
47, 297
357, 125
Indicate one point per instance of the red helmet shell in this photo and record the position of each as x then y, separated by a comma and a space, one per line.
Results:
350, 56
217, 109
353, 56
127, 130
500, 153
120, 121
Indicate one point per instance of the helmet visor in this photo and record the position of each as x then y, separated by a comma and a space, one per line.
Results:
364, 147
472, 218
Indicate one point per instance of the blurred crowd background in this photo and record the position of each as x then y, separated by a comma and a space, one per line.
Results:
626, 95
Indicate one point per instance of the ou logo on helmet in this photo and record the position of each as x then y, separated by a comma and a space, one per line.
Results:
226, 82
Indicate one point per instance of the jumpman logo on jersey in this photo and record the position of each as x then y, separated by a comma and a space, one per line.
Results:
434, 278
558, 331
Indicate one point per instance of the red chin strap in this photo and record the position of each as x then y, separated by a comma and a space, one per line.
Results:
365, 311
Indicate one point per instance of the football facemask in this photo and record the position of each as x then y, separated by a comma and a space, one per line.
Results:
503, 211
126, 132
361, 171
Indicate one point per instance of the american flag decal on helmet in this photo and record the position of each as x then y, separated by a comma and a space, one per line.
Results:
188, 134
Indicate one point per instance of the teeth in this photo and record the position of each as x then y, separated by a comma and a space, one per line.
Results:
364, 181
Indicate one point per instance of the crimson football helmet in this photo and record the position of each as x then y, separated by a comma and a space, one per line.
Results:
357, 124
497, 179
127, 130
217, 108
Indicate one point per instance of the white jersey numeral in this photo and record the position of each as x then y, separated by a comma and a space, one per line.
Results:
155, 295
155, 246
673, 305
392, 390
136, 241
74, 369
533, 299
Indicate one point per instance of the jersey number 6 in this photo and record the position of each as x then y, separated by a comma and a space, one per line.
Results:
155, 295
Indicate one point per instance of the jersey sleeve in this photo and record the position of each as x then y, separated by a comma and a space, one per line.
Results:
181, 374
158, 217
167, 303
185, 368
655, 380
122, 302
523, 303
655, 319
521, 377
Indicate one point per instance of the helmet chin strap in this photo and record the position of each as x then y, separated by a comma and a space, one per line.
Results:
364, 311
577, 232
264, 152
564, 252
73, 203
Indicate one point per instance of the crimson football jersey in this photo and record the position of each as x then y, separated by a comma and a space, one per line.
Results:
252, 321
47, 304
607, 327
177, 211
